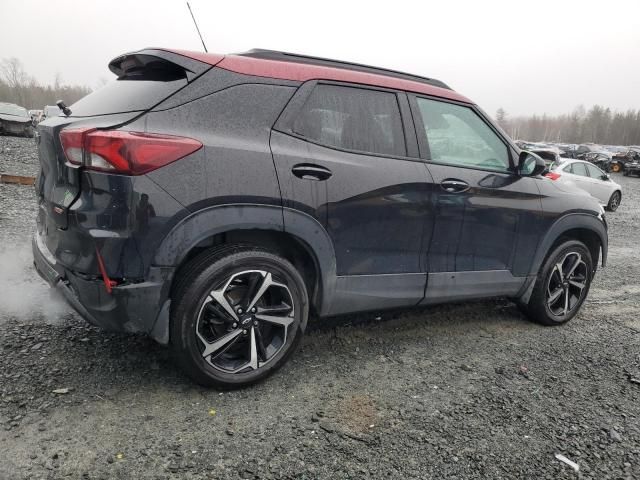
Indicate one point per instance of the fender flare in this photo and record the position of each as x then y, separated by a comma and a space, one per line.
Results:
562, 225
224, 218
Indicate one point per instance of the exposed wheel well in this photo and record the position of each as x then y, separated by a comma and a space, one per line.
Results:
586, 236
281, 243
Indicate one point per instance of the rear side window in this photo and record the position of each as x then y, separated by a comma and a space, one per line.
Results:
458, 136
140, 87
353, 119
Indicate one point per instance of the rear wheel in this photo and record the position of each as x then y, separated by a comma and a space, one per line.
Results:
562, 284
614, 201
239, 314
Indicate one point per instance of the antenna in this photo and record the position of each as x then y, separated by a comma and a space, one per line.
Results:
196, 24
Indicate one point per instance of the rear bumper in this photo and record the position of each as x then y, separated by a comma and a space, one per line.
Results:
129, 308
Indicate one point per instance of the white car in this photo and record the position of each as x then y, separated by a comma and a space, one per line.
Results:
589, 178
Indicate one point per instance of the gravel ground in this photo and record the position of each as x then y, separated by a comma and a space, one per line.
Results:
459, 391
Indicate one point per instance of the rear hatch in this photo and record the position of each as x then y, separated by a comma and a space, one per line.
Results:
144, 79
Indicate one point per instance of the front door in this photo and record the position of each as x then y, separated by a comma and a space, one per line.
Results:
486, 218
345, 158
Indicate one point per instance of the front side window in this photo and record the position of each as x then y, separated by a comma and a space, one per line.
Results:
353, 119
594, 171
458, 136
580, 169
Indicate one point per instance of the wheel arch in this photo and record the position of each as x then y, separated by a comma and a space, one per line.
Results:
587, 228
291, 233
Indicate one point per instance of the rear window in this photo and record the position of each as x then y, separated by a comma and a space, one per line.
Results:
143, 84
353, 119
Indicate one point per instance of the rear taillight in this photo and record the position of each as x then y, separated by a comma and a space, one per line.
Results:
129, 153
552, 175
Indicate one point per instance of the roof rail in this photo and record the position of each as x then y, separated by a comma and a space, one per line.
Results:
327, 62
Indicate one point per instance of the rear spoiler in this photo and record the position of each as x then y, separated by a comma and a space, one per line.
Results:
192, 66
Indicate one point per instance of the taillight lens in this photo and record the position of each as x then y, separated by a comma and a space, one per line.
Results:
552, 175
128, 153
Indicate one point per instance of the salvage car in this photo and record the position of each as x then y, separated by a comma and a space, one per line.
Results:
15, 120
215, 202
590, 178
601, 160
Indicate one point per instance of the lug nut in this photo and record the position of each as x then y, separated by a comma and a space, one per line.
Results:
255, 323
244, 332
254, 310
234, 325
239, 310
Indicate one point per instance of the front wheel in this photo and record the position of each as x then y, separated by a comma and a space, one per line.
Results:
562, 284
238, 314
614, 201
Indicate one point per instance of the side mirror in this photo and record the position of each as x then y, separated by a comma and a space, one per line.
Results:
606, 176
530, 164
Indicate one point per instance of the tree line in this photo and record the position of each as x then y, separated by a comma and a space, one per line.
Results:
597, 125
17, 86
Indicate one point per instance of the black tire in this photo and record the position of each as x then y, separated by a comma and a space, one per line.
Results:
215, 271
614, 201
540, 309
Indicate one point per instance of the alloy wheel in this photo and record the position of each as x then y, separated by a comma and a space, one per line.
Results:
244, 322
566, 285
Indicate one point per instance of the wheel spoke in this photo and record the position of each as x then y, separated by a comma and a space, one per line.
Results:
282, 308
213, 347
575, 265
558, 269
555, 295
252, 287
253, 359
262, 350
282, 321
218, 296
266, 283
566, 301
577, 284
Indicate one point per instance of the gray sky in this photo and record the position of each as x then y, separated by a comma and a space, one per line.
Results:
526, 56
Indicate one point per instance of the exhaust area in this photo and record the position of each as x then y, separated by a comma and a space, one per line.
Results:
23, 294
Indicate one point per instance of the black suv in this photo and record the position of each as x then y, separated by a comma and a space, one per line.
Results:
215, 202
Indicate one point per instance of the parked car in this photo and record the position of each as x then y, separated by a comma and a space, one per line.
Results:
621, 159
15, 120
601, 160
632, 167
215, 201
549, 155
590, 178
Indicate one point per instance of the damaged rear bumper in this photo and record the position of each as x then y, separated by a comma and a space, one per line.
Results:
134, 307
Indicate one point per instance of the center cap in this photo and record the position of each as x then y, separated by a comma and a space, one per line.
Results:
246, 320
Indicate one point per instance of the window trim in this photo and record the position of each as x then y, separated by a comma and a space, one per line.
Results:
423, 141
284, 123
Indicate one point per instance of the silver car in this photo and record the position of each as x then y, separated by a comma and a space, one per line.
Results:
589, 178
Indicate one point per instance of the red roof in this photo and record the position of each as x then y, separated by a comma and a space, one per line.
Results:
261, 67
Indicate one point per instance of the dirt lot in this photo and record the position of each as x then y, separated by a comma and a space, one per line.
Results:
459, 391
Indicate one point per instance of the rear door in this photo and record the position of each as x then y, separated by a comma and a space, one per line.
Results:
486, 218
347, 156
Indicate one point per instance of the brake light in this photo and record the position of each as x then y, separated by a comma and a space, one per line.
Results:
128, 153
552, 175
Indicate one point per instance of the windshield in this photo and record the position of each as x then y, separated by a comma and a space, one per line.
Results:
15, 110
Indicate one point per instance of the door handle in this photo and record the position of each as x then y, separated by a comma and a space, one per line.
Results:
452, 185
308, 171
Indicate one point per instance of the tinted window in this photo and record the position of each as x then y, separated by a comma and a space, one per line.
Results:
458, 136
580, 169
140, 87
594, 171
353, 119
